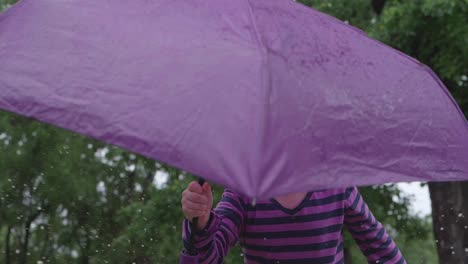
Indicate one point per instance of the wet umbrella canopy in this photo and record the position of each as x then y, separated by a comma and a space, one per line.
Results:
266, 97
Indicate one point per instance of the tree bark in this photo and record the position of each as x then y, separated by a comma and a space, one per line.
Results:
131, 186
84, 258
450, 220
27, 233
378, 6
7, 246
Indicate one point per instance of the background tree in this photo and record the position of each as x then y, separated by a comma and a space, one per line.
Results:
435, 32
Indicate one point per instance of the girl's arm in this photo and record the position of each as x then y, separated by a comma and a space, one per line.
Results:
371, 236
220, 234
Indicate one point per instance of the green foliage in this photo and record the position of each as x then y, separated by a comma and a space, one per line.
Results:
436, 33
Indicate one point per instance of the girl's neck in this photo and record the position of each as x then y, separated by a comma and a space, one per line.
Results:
291, 201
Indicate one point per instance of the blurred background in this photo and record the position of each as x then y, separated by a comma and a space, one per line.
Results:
65, 198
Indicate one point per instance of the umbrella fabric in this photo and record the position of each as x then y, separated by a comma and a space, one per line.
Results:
266, 97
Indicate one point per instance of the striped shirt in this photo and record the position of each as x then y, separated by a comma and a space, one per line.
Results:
312, 233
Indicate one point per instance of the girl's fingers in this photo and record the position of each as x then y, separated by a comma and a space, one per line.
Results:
195, 187
190, 214
194, 206
196, 198
206, 188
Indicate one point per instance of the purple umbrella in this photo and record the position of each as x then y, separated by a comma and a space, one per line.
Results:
266, 97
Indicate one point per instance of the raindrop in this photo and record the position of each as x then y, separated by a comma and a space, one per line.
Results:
453, 252
254, 201
18, 251
39, 262
441, 228
108, 245
460, 215
451, 247
466, 250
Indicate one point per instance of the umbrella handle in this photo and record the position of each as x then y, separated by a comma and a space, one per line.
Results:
193, 226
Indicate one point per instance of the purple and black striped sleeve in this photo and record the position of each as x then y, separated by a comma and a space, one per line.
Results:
221, 233
369, 234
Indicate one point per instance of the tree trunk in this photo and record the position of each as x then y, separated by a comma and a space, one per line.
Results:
464, 220
7, 246
84, 258
378, 6
450, 220
27, 233
131, 186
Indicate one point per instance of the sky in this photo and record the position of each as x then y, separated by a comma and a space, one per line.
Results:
420, 202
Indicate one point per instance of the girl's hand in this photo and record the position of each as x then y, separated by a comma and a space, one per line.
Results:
197, 201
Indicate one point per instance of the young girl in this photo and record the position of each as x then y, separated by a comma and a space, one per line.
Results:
301, 228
